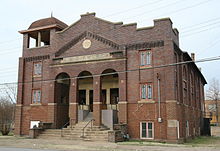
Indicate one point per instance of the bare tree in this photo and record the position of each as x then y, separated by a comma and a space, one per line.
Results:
8, 97
9, 91
213, 93
6, 115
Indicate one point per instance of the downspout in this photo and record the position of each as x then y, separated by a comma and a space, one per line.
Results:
159, 101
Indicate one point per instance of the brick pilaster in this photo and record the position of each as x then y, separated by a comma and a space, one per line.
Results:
73, 103
122, 104
97, 110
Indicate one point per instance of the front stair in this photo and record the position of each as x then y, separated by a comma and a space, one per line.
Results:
76, 132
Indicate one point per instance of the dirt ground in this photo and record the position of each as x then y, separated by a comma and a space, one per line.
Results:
204, 144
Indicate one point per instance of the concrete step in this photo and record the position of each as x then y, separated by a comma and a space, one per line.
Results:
97, 133
50, 132
96, 137
52, 135
49, 137
92, 139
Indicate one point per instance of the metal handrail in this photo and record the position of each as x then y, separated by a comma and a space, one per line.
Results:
83, 130
63, 127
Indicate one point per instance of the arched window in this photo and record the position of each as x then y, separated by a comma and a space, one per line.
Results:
184, 84
148, 58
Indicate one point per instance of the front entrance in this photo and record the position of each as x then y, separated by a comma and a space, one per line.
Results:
85, 91
109, 97
110, 89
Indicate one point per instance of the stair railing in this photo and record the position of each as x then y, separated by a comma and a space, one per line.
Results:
83, 130
63, 127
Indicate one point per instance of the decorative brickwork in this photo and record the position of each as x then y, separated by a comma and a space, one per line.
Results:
113, 49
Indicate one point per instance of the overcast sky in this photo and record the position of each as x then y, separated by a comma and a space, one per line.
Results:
197, 21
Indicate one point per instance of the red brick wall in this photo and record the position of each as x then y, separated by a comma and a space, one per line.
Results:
130, 111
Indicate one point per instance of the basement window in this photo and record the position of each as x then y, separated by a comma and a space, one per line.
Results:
146, 130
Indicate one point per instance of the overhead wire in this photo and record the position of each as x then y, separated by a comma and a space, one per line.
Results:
194, 28
184, 8
118, 72
183, 34
201, 23
8, 41
155, 9
140, 7
127, 10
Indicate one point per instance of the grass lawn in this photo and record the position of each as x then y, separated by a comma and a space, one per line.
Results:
201, 141
204, 141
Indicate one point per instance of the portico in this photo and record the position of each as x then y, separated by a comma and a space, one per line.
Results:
97, 95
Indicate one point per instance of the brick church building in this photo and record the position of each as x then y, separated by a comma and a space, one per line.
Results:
113, 73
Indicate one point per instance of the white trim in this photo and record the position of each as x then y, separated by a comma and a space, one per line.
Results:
97, 102
51, 103
35, 104
143, 101
73, 103
178, 129
122, 102
19, 105
146, 130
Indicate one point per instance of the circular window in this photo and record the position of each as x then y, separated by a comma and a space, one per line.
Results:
86, 44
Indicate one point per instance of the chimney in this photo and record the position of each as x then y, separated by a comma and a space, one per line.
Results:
193, 56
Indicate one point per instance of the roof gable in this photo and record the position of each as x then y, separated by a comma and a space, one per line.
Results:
86, 34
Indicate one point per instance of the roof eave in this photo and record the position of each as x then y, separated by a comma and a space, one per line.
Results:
40, 28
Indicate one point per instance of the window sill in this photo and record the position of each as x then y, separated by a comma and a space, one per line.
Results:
146, 101
145, 66
37, 76
147, 138
38, 47
35, 104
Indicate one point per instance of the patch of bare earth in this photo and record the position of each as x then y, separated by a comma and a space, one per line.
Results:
59, 144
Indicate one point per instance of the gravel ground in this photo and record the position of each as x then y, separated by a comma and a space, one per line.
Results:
11, 143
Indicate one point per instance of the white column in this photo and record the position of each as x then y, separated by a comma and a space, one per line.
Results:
87, 96
108, 96
39, 39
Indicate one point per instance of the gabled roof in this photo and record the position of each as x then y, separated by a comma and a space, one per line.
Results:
134, 46
83, 35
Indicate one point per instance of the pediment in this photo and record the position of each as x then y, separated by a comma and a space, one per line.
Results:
86, 35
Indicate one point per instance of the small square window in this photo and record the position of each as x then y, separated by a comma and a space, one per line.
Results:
37, 69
